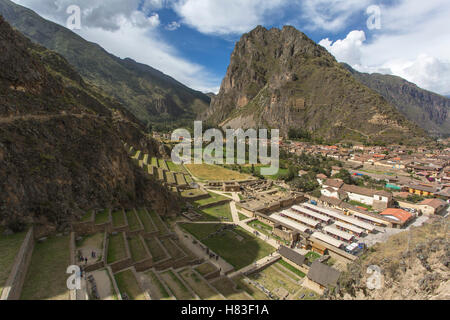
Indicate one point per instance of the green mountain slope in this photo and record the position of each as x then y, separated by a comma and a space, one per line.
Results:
148, 93
429, 110
282, 79
61, 150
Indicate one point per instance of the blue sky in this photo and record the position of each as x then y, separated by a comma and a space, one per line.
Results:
192, 40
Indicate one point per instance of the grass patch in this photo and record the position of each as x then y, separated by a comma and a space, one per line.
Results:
137, 249
175, 285
149, 227
291, 268
254, 292
237, 247
272, 278
46, 277
157, 252
161, 290
102, 217
205, 268
176, 167
9, 247
116, 248
118, 218
87, 216
266, 230
217, 213
213, 198
215, 173
199, 285
127, 283
312, 256
162, 228
172, 248
226, 287
133, 221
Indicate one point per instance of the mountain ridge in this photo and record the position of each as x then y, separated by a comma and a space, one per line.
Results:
148, 93
429, 110
283, 79
61, 150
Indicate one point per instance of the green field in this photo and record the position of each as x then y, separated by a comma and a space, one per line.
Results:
127, 283
265, 229
272, 278
217, 213
116, 248
192, 193
162, 164
9, 247
237, 247
149, 227
102, 217
213, 197
46, 277
137, 249
118, 218
215, 173
253, 291
133, 222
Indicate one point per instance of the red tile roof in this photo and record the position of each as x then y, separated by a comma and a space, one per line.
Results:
400, 214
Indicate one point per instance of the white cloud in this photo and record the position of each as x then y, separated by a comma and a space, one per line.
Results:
330, 15
174, 25
125, 31
411, 44
227, 17
348, 49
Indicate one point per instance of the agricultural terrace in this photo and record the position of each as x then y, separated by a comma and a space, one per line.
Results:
128, 285
102, 217
9, 247
199, 285
149, 227
157, 289
118, 218
177, 287
227, 288
46, 277
236, 246
133, 221
156, 250
208, 172
137, 249
116, 248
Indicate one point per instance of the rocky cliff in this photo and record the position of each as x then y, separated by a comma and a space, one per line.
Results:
61, 150
429, 110
282, 79
414, 264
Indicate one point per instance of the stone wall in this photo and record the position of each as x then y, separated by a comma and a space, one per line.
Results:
14, 283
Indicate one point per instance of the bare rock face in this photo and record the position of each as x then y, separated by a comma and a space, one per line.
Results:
61, 143
284, 80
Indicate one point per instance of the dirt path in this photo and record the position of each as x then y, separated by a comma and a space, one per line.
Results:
104, 286
37, 117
